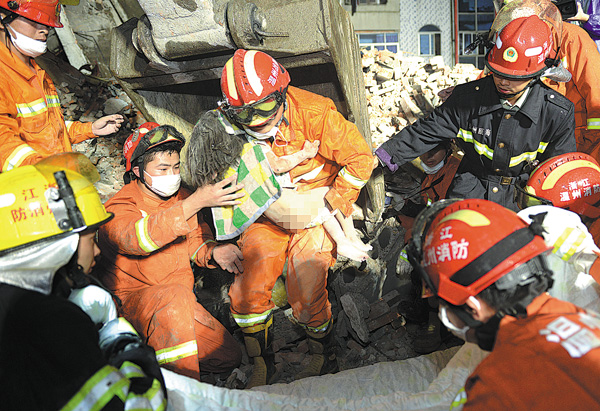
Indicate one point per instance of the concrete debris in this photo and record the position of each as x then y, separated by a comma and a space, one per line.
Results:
88, 101
356, 307
402, 89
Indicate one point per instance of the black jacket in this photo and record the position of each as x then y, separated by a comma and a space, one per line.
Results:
500, 145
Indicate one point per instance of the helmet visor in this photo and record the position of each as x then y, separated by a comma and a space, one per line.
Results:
163, 134
258, 113
524, 198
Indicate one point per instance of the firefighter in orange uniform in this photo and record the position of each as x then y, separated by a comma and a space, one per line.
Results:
32, 126
148, 249
259, 100
489, 270
578, 54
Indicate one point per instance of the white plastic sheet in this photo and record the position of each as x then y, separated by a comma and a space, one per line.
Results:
428, 382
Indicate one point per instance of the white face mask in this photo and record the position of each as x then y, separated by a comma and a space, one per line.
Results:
434, 169
27, 45
459, 332
164, 186
262, 136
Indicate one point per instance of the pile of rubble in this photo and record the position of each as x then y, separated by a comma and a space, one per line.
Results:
401, 90
89, 100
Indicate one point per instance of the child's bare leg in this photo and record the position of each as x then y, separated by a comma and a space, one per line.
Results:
345, 247
294, 211
348, 226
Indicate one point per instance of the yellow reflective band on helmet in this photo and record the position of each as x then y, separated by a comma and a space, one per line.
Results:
529, 200
16, 158
249, 320
471, 217
559, 172
170, 354
355, 181
593, 123
144, 240
231, 79
105, 384
459, 400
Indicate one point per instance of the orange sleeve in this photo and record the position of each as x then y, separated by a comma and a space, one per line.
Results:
201, 244
78, 131
14, 152
583, 61
342, 143
132, 233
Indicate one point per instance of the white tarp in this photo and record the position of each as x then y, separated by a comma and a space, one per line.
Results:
428, 382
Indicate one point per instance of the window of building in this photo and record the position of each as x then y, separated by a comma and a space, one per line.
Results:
379, 41
349, 2
430, 40
474, 17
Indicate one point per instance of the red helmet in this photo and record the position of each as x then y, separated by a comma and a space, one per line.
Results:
521, 49
147, 136
471, 244
253, 85
570, 181
46, 12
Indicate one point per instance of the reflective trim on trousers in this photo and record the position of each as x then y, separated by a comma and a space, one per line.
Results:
171, 354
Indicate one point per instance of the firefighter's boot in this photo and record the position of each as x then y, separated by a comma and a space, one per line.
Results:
258, 340
322, 348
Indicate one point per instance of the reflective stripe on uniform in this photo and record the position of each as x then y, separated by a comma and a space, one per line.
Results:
170, 354
144, 239
131, 370
573, 246
68, 124
459, 400
484, 150
53, 101
248, 320
38, 106
480, 148
320, 329
152, 399
105, 384
355, 181
16, 158
593, 123
529, 156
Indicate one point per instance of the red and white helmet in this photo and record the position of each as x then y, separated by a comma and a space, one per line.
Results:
474, 243
46, 12
147, 136
521, 49
253, 85
570, 181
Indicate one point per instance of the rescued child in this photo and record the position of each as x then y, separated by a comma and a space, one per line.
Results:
214, 152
